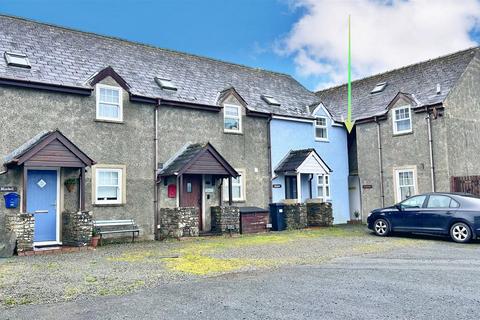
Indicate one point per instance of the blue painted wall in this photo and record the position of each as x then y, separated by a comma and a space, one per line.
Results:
289, 135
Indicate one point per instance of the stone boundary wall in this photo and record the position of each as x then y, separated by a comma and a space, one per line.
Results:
295, 216
320, 214
23, 225
178, 222
225, 219
77, 228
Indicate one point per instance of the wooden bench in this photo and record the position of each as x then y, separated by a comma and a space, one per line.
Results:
116, 226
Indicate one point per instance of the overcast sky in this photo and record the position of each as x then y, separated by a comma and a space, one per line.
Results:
304, 38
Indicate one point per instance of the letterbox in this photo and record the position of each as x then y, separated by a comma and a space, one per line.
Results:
11, 200
172, 191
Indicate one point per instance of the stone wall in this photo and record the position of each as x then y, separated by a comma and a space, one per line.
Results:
77, 228
295, 216
225, 219
178, 222
23, 225
319, 214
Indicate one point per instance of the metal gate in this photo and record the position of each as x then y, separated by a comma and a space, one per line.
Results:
469, 184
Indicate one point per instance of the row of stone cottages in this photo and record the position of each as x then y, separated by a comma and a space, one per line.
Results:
121, 130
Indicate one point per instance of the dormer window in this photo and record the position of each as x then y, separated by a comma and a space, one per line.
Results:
379, 87
402, 120
109, 103
165, 84
17, 60
232, 118
270, 100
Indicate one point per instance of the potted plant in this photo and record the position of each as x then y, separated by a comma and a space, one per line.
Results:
70, 184
95, 238
356, 214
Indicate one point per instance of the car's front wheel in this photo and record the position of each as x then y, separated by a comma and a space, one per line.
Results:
460, 232
380, 227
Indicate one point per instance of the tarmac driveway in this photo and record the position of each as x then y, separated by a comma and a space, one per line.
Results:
434, 280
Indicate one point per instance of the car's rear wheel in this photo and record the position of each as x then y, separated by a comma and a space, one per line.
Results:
460, 232
381, 228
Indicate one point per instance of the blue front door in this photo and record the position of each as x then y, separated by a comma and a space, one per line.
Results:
42, 202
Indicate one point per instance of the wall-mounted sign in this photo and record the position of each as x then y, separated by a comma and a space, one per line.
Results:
367, 186
8, 189
276, 186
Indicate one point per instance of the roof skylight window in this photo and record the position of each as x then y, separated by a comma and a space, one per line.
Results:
165, 83
270, 100
17, 60
379, 87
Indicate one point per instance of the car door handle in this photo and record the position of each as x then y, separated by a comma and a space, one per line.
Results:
449, 212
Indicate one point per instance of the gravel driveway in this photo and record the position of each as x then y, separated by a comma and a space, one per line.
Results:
116, 270
432, 279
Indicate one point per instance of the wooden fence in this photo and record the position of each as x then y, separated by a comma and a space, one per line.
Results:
469, 184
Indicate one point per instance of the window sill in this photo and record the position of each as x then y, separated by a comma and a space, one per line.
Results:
321, 140
109, 121
233, 132
402, 133
109, 204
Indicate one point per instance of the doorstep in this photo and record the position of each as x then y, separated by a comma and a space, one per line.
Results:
53, 250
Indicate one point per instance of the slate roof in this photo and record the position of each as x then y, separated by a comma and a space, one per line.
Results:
418, 80
26, 146
63, 56
294, 159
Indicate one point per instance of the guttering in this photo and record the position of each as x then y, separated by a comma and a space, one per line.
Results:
189, 105
142, 99
292, 118
380, 162
84, 91
428, 118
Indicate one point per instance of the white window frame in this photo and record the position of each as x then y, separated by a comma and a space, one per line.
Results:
239, 117
242, 185
120, 102
395, 120
316, 125
325, 185
396, 178
97, 169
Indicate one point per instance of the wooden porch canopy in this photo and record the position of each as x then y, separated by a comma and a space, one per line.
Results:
50, 149
305, 161
199, 159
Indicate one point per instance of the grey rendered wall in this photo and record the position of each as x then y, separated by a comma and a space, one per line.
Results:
398, 151
26, 112
248, 150
462, 113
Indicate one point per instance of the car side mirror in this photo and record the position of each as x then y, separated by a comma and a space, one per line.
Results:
399, 207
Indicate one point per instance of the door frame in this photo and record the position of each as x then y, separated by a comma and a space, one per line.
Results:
57, 233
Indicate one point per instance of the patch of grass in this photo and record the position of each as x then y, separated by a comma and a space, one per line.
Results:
133, 256
111, 289
204, 265
90, 279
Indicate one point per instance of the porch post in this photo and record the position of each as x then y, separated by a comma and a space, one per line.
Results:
230, 191
82, 189
299, 187
180, 190
24, 190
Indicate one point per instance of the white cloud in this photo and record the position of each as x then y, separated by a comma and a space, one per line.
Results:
386, 34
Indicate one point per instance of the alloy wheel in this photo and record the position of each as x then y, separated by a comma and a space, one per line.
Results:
381, 227
460, 232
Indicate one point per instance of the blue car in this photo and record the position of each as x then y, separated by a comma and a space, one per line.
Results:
449, 214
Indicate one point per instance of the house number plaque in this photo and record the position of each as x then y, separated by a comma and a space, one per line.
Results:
8, 189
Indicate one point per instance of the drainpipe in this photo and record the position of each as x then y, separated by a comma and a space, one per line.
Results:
430, 149
380, 162
269, 137
155, 164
